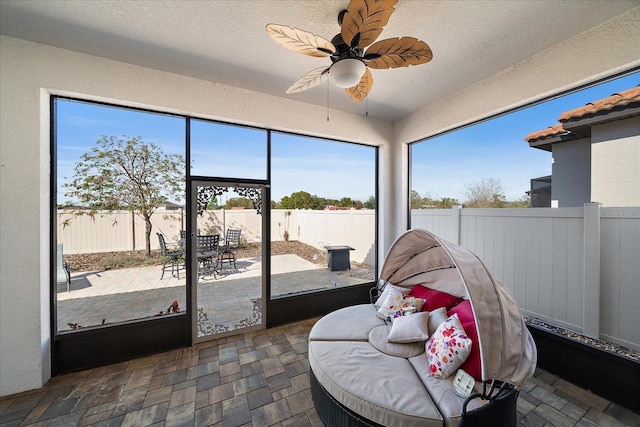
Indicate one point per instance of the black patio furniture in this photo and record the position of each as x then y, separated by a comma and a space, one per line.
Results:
207, 254
232, 242
172, 258
338, 257
64, 270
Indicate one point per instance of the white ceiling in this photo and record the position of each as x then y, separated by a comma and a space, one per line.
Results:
225, 41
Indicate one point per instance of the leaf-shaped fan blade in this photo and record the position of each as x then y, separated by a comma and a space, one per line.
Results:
397, 52
361, 90
364, 20
300, 41
311, 79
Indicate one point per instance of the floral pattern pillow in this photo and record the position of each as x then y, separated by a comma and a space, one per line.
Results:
399, 304
448, 348
390, 289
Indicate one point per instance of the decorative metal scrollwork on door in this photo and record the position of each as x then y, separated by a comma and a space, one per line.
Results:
205, 194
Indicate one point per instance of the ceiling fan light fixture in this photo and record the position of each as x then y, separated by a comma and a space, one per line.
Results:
360, 26
347, 72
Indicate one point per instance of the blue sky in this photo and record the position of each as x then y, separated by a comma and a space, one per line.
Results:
327, 169
442, 166
324, 168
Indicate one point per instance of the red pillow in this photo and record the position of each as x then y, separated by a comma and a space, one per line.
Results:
472, 365
434, 299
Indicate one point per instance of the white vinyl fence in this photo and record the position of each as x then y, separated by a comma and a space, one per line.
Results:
574, 267
123, 231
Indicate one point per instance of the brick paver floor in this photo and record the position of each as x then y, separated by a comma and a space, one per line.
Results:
260, 378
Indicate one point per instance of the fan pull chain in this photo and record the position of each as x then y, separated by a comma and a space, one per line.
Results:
327, 100
366, 107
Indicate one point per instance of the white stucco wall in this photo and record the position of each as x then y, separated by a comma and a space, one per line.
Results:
615, 163
29, 72
585, 58
571, 171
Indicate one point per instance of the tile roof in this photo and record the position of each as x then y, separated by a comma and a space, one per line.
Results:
549, 132
617, 100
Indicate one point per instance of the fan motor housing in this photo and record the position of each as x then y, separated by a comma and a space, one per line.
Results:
343, 50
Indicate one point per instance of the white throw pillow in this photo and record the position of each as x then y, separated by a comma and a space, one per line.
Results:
436, 317
448, 348
412, 328
378, 338
388, 289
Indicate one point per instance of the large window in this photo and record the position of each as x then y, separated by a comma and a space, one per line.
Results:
490, 165
323, 220
121, 220
227, 151
120, 177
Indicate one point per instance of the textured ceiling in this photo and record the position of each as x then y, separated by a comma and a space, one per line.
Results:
226, 41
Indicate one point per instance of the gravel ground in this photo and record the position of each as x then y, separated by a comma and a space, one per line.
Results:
614, 348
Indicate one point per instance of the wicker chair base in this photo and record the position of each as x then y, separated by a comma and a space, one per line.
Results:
500, 412
333, 413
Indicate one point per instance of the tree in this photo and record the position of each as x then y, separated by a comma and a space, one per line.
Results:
486, 193
370, 203
127, 173
213, 203
304, 200
297, 200
345, 202
239, 202
521, 203
416, 200
318, 203
286, 203
447, 203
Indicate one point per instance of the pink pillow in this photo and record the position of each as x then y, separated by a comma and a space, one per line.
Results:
434, 299
472, 365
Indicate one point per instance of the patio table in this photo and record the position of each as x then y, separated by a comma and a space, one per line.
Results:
338, 258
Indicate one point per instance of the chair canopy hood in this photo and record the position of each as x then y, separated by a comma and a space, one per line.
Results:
507, 350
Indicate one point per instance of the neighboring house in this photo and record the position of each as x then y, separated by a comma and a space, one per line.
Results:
596, 154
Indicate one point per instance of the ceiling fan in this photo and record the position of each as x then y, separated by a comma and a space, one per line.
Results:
360, 25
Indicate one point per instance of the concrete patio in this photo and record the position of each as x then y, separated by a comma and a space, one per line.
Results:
229, 300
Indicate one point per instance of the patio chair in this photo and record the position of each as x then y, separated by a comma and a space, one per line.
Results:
172, 259
207, 254
64, 270
232, 241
